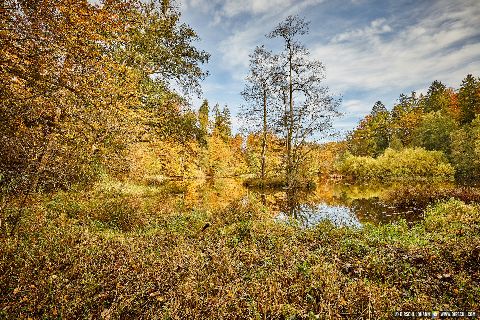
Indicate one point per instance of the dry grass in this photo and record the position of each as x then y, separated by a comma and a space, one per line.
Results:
422, 195
111, 255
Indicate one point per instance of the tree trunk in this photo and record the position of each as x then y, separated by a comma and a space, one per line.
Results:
290, 123
264, 138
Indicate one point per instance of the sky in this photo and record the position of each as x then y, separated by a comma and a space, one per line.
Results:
372, 50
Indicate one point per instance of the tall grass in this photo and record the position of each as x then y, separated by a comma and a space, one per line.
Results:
118, 256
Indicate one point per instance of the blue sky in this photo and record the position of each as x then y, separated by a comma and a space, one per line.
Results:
372, 50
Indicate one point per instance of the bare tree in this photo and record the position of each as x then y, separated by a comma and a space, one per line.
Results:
308, 108
258, 91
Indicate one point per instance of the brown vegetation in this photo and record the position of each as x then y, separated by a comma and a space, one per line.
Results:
117, 256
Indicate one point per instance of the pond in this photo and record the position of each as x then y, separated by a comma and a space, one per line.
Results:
341, 203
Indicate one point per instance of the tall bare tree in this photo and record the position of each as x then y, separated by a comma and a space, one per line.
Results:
308, 107
258, 91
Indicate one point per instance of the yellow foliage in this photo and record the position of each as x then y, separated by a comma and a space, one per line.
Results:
223, 158
154, 161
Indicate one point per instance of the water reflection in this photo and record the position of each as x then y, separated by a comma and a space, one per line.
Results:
307, 213
378, 211
342, 204
309, 216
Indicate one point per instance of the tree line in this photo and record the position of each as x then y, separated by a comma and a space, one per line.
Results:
444, 119
85, 88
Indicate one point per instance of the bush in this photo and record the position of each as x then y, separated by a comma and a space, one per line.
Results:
242, 266
406, 164
420, 195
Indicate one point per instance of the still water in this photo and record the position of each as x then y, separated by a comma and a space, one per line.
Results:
309, 216
340, 203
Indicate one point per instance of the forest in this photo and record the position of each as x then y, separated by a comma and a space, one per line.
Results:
119, 199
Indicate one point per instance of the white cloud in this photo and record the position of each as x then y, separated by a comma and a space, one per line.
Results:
223, 10
237, 46
405, 49
365, 60
354, 106
378, 26
232, 8
255, 7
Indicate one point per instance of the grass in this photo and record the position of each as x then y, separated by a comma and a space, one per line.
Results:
113, 255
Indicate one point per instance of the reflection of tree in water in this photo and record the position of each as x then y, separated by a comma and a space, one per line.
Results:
263, 198
209, 194
341, 204
292, 204
301, 206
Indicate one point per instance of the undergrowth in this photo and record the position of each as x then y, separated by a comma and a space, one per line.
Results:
112, 255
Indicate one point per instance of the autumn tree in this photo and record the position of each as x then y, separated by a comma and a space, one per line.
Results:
160, 48
372, 135
465, 150
405, 104
441, 120
406, 115
62, 91
360, 140
308, 107
222, 122
79, 81
258, 94
203, 119
437, 98
78, 78
434, 132
380, 127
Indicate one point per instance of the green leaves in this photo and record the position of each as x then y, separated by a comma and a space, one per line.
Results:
469, 99
442, 120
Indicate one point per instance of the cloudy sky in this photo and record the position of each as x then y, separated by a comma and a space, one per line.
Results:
372, 50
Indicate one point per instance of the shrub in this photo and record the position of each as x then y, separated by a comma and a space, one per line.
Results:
406, 164
242, 266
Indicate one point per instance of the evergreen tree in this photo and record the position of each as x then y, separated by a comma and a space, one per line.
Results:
405, 104
227, 123
469, 99
437, 98
222, 122
378, 107
203, 119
